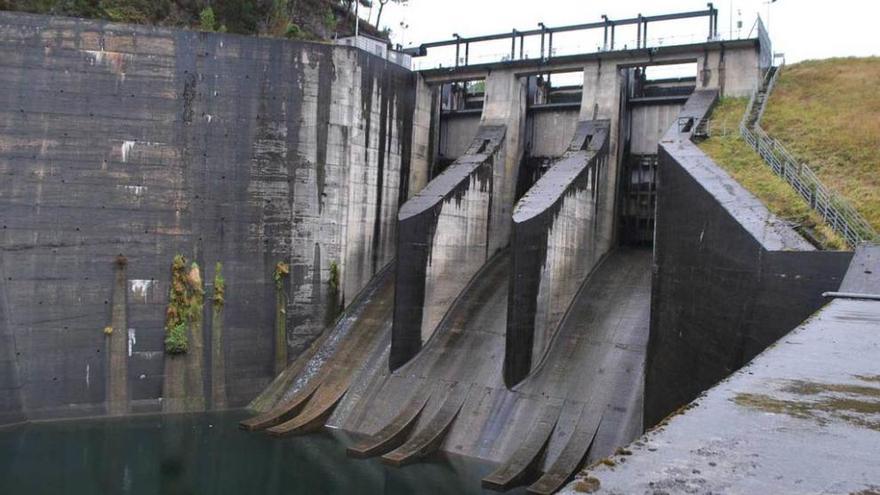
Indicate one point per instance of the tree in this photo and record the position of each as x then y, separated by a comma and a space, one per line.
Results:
382, 6
207, 21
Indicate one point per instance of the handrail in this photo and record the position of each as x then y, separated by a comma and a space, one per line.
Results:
545, 32
834, 209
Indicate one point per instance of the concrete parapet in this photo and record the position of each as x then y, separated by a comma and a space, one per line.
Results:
555, 242
730, 278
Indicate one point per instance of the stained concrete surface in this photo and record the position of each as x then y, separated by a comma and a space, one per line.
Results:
149, 142
556, 242
802, 417
443, 239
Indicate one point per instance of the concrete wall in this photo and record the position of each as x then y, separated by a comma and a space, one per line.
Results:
505, 104
150, 142
551, 131
555, 243
420, 163
10, 384
649, 123
736, 73
601, 99
457, 132
730, 278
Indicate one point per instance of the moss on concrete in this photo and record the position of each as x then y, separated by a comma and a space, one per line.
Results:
185, 304
282, 271
218, 297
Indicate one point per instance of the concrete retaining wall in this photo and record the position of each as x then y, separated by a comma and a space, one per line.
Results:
149, 142
730, 278
555, 243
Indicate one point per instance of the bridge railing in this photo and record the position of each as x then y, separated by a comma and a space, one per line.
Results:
836, 211
608, 41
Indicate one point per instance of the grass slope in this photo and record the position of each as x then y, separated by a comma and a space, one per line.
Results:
735, 156
827, 113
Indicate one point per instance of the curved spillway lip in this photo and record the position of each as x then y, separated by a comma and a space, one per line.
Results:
329, 338
486, 143
589, 139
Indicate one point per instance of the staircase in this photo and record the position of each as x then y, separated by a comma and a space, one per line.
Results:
757, 108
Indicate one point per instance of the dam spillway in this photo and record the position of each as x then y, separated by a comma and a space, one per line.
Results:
467, 260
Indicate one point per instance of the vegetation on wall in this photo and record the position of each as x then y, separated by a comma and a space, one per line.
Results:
300, 19
731, 152
218, 298
334, 304
282, 270
185, 302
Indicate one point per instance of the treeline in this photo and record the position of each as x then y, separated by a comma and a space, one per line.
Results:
300, 19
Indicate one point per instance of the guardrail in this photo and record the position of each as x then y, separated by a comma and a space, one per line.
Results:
545, 33
833, 208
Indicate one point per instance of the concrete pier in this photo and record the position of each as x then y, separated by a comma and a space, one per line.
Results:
556, 242
449, 229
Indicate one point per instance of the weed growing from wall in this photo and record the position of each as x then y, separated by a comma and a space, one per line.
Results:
185, 302
333, 292
219, 286
282, 270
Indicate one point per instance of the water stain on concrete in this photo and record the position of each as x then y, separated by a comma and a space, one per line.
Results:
854, 403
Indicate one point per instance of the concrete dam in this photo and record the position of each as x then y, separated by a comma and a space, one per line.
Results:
475, 259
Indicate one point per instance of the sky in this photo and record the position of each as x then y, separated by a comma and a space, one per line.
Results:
801, 29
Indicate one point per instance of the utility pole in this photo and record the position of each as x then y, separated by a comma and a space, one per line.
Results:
730, 24
357, 21
768, 2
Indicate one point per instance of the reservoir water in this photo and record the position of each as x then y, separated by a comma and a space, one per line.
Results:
206, 454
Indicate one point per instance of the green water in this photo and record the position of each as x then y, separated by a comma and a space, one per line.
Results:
205, 454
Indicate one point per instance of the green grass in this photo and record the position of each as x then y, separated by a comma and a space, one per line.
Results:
728, 149
827, 113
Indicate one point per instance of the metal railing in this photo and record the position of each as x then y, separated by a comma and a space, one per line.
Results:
833, 208
517, 38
